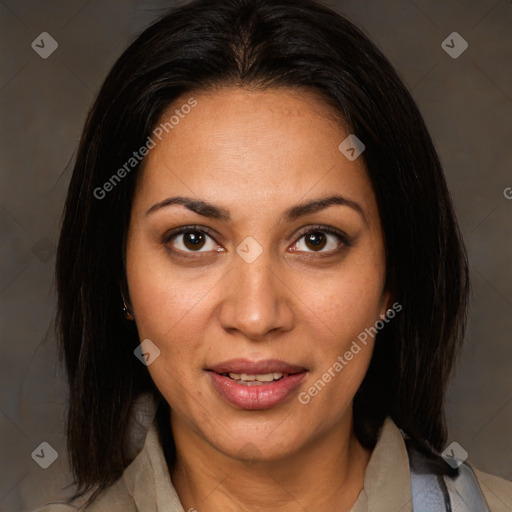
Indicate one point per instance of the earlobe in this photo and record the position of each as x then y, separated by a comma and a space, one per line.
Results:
126, 308
127, 313
386, 303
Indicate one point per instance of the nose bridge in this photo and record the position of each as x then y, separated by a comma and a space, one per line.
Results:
256, 302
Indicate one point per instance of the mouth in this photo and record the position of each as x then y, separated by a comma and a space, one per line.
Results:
255, 380
264, 367
255, 385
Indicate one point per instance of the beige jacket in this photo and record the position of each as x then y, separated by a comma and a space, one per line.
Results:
145, 485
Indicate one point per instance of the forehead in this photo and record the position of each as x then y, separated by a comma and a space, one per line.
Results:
252, 145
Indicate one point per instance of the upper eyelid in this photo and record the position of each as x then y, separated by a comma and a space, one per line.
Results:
327, 229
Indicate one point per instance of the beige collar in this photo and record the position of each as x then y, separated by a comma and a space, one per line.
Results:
147, 478
386, 481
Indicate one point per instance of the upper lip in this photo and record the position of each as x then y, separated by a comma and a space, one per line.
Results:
256, 367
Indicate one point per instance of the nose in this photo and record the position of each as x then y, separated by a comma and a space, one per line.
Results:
256, 300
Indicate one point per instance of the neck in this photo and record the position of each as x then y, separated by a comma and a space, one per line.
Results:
327, 474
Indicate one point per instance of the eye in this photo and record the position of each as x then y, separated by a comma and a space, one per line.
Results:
189, 239
321, 239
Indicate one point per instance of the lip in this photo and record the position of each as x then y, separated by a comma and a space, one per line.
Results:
257, 397
262, 396
256, 368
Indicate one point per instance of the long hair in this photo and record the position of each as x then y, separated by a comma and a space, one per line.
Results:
208, 44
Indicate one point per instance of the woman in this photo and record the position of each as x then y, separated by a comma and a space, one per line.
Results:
262, 285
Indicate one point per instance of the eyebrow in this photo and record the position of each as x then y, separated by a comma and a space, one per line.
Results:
215, 212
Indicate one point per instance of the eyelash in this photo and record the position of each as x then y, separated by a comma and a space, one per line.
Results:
345, 240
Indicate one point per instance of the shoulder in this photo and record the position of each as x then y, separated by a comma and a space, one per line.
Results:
132, 491
56, 507
115, 498
497, 491
469, 489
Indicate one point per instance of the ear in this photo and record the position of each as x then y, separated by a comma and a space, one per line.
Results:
123, 287
385, 303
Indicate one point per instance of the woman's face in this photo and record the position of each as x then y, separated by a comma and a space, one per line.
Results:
266, 273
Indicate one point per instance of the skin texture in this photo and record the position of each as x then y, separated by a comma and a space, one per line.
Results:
257, 153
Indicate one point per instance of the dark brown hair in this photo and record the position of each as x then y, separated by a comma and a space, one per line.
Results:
205, 44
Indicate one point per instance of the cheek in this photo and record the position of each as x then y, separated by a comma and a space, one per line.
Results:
163, 299
170, 311
167, 306
345, 308
352, 307
347, 302
342, 350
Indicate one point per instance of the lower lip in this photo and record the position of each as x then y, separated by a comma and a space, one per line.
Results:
260, 396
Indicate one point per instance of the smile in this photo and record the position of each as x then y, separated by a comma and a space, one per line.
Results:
255, 392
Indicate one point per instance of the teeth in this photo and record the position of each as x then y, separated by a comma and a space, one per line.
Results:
265, 377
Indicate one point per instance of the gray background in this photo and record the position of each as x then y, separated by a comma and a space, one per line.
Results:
467, 104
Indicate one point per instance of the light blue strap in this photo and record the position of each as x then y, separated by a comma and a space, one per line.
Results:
465, 492
427, 494
431, 493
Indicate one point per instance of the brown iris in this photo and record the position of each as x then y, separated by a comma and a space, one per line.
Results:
316, 240
193, 240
